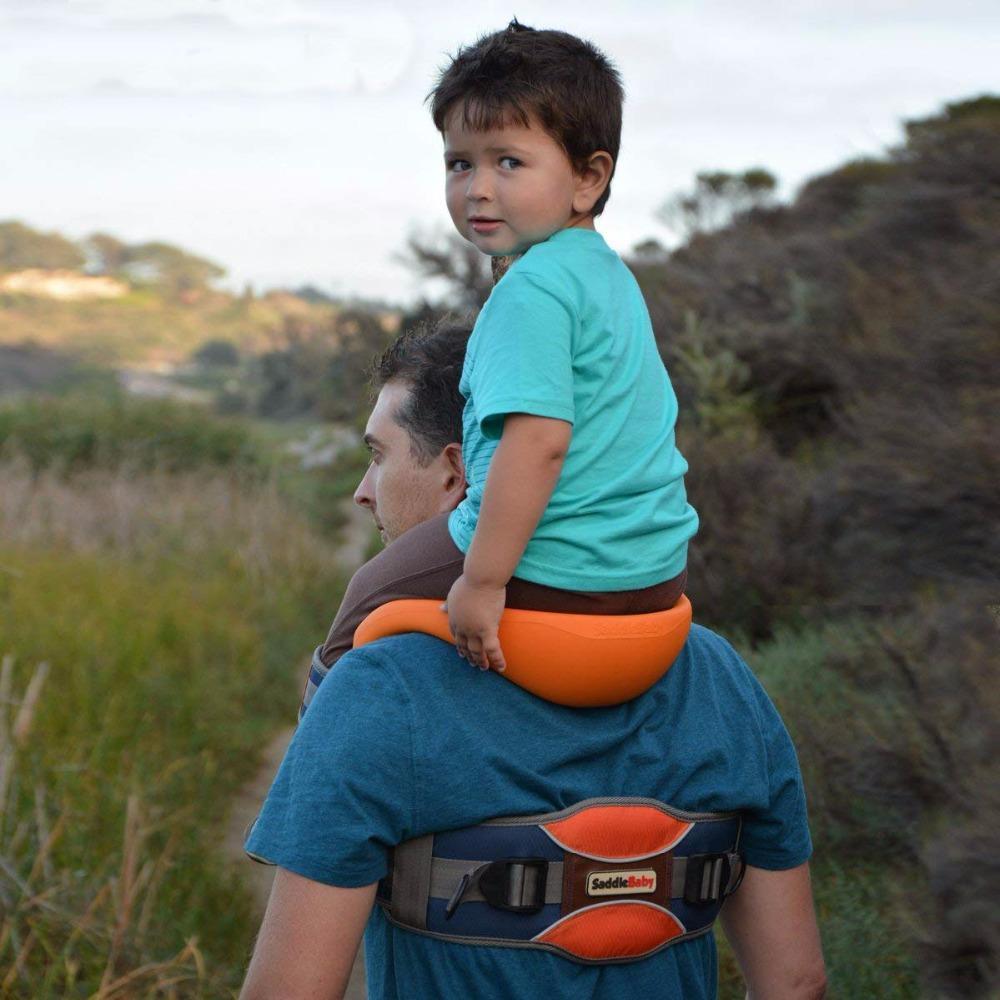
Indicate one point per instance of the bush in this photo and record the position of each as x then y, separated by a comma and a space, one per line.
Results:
895, 725
84, 431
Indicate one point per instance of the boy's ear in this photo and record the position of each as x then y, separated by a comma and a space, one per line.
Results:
592, 180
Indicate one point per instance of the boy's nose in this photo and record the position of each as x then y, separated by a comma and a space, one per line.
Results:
479, 186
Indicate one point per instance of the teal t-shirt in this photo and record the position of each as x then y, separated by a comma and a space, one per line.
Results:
404, 738
566, 334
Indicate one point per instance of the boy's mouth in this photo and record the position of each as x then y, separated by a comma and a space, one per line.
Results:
481, 224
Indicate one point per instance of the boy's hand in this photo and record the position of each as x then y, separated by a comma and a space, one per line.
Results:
474, 616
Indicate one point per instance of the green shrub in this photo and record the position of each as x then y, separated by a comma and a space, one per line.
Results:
81, 431
894, 724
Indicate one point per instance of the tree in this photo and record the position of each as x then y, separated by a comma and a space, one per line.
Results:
465, 271
169, 267
217, 354
718, 197
22, 247
106, 253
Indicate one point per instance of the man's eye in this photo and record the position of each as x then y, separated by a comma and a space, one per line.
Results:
457, 166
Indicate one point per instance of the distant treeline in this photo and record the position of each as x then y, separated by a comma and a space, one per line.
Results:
159, 264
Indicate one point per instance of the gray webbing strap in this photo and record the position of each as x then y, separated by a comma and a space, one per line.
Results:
411, 881
447, 873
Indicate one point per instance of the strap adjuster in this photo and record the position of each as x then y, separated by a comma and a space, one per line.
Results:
711, 877
516, 885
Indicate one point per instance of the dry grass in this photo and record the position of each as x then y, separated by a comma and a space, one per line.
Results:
176, 612
150, 514
43, 927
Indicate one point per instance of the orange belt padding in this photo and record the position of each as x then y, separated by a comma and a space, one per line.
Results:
618, 832
613, 931
584, 661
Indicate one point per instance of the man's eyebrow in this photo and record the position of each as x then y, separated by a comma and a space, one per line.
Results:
372, 441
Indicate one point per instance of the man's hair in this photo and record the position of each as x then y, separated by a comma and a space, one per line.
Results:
428, 359
569, 86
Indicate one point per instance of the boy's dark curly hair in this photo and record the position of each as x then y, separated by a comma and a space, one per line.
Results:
566, 84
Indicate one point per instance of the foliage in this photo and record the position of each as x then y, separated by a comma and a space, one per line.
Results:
895, 724
837, 362
318, 370
81, 430
145, 326
456, 263
217, 354
850, 342
184, 604
161, 264
22, 247
168, 267
31, 368
718, 197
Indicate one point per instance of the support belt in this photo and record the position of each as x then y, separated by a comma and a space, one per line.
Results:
607, 880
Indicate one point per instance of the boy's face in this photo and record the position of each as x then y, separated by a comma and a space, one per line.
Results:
509, 188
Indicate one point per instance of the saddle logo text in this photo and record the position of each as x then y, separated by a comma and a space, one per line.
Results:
621, 883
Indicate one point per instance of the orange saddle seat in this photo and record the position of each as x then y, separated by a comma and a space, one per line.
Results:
583, 661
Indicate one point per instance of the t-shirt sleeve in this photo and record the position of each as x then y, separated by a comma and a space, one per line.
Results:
344, 793
524, 356
776, 835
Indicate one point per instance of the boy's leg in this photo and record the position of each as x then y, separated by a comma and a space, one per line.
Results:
538, 597
425, 562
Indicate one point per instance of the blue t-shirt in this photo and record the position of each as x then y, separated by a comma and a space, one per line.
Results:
404, 738
566, 334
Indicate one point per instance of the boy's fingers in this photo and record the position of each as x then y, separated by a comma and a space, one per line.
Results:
495, 656
476, 653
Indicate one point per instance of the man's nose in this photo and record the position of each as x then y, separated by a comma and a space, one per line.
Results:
363, 496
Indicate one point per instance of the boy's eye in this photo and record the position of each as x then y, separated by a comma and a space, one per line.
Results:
509, 162
457, 166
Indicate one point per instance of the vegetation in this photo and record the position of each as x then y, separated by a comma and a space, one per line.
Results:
79, 432
837, 364
23, 247
172, 609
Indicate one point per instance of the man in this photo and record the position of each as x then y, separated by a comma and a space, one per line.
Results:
403, 738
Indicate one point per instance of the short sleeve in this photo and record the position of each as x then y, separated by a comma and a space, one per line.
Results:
524, 353
776, 836
344, 793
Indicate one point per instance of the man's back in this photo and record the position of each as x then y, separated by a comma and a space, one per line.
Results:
403, 738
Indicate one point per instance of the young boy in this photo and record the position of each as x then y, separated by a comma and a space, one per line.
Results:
575, 498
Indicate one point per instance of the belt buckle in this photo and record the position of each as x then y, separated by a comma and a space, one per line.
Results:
516, 885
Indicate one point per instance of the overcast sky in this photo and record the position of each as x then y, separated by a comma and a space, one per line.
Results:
287, 139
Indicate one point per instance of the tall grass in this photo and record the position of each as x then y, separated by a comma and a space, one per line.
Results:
175, 612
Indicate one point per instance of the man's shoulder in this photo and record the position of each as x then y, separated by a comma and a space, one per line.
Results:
417, 666
712, 660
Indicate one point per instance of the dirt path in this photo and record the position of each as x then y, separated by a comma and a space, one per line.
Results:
355, 538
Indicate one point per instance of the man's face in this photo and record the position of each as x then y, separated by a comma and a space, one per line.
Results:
509, 188
399, 491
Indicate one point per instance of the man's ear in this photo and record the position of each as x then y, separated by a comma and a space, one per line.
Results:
592, 180
454, 472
